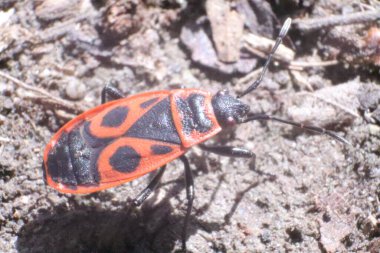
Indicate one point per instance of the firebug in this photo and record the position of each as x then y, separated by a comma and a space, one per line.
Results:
126, 138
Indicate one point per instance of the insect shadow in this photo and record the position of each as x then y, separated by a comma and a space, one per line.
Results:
88, 229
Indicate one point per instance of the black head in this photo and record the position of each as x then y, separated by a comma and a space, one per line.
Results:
228, 109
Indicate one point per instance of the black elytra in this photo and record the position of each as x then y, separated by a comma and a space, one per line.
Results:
72, 161
59, 162
156, 124
83, 158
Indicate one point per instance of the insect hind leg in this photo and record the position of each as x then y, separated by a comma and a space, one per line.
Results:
228, 151
110, 92
149, 189
190, 197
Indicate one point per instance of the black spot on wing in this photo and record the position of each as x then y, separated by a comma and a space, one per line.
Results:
156, 124
147, 103
115, 117
160, 149
193, 114
125, 159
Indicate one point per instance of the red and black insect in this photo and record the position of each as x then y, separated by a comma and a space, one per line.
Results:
125, 138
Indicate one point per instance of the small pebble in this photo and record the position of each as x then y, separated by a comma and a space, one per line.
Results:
265, 237
16, 215
374, 129
8, 103
75, 89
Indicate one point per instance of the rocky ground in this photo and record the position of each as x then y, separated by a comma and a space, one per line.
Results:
303, 193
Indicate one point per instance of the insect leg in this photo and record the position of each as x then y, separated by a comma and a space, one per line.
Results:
110, 93
149, 189
315, 129
228, 151
189, 196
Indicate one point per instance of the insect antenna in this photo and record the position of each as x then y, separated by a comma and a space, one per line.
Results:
284, 30
252, 117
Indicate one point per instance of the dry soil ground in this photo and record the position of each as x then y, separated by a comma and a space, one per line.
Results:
304, 193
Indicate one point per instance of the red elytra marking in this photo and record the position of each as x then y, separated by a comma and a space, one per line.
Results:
92, 113
135, 112
111, 178
149, 161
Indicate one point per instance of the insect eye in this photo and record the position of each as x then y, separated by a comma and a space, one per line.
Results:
231, 121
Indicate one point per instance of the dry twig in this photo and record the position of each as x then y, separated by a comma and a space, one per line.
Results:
313, 24
46, 96
297, 65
